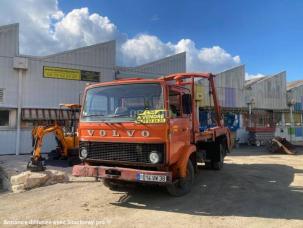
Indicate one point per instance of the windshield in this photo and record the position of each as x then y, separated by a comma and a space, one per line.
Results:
121, 102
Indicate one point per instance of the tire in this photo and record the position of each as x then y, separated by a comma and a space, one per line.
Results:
218, 163
208, 165
183, 185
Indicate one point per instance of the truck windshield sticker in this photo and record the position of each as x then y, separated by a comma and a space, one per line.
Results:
151, 116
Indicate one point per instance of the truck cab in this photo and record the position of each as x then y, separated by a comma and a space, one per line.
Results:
147, 130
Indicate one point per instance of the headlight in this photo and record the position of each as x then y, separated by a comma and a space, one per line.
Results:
83, 153
154, 157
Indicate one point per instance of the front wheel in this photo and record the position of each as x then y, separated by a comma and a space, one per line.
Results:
183, 185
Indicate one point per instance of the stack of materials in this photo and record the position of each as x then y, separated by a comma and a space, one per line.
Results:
281, 145
260, 136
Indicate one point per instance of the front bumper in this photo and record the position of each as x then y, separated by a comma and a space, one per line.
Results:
118, 173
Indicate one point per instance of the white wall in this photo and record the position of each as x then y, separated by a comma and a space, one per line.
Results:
40, 92
229, 86
8, 76
162, 67
269, 93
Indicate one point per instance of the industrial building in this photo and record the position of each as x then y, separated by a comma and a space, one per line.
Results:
231, 95
31, 88
165, 66
295, 116
261, 103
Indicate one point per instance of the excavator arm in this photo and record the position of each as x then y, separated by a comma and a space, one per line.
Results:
38, 133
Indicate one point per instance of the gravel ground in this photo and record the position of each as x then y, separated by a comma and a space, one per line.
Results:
254, 189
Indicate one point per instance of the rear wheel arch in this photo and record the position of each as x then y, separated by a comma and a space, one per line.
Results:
193, 159
223, 140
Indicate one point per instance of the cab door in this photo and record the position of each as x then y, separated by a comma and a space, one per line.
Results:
180, 123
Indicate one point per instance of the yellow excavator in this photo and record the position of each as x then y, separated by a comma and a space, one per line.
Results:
68, 142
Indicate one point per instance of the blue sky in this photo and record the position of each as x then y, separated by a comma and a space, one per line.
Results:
267, 35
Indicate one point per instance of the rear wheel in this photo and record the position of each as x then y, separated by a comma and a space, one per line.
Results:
183, 185
208, 165
218, 162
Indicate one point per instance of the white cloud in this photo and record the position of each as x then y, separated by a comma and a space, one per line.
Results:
34, 18
45, 29
252, 76
57, 15
80, 28
144, 48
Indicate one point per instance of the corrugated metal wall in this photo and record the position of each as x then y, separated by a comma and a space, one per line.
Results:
162, 67
296, 93
8, 82
229, 85
8, 142
8, 76
99, 57
40, 92
9, 40
268, 93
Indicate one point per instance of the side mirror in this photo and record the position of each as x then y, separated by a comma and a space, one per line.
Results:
186, 104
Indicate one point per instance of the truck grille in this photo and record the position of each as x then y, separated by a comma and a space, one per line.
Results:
122, 152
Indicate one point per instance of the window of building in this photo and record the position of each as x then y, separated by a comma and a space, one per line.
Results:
4, 118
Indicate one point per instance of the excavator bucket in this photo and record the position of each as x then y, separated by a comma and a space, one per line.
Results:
35, 165
281, 145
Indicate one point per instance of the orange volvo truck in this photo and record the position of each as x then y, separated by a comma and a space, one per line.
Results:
147, 130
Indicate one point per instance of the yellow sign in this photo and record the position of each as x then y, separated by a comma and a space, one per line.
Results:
61, 73
151, 116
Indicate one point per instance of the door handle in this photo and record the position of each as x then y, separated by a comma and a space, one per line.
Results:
178, 129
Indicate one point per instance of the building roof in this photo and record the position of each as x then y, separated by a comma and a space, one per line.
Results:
253, 81
249, 83
294, 84
231, 69
156, 68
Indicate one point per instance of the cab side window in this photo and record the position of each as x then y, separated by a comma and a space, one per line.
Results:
174, 104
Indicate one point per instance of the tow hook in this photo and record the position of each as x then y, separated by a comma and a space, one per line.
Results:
113, 173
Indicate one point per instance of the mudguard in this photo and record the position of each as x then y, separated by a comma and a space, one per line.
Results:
180, 167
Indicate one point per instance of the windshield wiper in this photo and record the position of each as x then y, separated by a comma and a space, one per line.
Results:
120, 115
93, 115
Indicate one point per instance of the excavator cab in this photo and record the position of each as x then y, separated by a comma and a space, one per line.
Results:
65, 134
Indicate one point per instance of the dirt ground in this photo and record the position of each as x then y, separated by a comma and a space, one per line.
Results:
254, 189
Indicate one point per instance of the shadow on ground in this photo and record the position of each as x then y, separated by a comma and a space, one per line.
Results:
257, 190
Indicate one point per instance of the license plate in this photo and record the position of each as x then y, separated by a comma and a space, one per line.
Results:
151, 178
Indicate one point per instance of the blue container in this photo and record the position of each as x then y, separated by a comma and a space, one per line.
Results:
298, 131
207, 120
298, 106
232, 121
